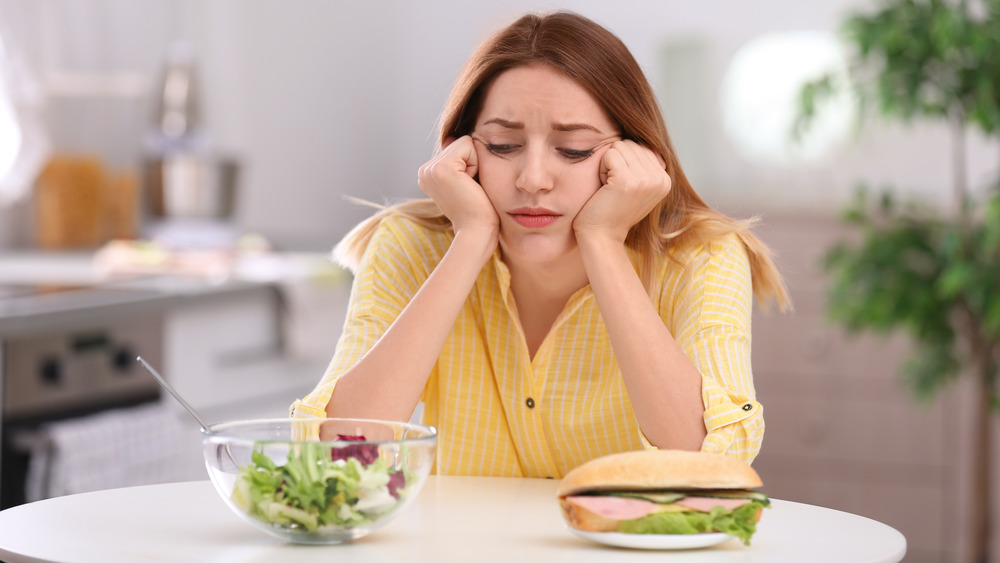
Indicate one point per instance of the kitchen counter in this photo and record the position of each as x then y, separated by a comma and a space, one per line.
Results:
278, 310
40, 292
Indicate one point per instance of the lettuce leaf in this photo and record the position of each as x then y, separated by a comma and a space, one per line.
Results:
740, 523
318, 486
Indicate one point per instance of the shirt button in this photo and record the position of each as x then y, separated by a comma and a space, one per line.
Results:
747, 407
530, 402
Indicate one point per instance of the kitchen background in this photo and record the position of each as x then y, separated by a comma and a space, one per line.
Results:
315, 101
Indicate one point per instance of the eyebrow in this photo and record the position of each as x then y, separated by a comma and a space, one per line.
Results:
566, 127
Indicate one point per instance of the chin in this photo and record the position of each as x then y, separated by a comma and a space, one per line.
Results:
537, 248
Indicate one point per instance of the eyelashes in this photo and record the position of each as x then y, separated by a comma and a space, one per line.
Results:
501, 150
571, 154
578, 155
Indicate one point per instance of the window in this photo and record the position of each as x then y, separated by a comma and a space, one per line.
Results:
760, 98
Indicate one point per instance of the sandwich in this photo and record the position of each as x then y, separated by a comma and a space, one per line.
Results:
663, 492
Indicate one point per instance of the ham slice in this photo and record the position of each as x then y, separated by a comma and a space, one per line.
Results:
705, 504
615, 508
625, 508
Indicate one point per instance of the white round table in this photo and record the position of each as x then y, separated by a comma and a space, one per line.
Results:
481, 519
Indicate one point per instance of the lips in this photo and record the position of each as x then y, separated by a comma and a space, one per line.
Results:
533, 217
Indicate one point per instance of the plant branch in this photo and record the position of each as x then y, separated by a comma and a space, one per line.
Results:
958, 167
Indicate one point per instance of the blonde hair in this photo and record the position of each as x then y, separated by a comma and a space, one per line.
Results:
603, 65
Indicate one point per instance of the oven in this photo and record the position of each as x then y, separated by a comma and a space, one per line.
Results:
68, 370
58, 363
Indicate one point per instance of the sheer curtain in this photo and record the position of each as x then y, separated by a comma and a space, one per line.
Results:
23, 140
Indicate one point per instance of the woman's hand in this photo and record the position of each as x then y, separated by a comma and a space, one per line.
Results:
449, 180
634, 180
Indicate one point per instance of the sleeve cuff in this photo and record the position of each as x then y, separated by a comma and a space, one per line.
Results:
727, 413
302, 430
302, 410
724, 424
646, 444
719, 421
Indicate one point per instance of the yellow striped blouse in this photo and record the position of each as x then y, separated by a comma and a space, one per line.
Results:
500, 412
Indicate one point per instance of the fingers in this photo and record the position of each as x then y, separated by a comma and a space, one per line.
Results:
634, 154
470, 156
464, 151
449, 179
660, 160
613, 159
629, 162
461, 154
458, 156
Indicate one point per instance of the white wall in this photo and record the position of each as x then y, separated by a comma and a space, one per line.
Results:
322, 99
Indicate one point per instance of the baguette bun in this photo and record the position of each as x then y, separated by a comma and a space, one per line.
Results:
659, 469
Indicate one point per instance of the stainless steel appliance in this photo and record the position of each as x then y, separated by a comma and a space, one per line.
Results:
191, 190
82, 367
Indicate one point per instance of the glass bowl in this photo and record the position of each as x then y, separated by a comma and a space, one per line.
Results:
325, 480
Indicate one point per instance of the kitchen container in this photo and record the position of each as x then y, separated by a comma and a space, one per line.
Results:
81, 203
192, 186
184, 177
320, 481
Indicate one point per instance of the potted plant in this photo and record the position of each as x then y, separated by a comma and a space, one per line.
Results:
931, 274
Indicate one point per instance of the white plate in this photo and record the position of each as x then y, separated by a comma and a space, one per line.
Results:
654, 541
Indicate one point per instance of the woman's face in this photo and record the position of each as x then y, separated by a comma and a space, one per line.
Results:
539, 141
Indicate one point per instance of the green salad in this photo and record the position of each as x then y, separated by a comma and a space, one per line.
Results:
320, 486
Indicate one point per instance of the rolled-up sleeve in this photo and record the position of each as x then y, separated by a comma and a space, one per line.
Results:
711, 321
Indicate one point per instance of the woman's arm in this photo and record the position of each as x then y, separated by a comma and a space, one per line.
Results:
387, 381
664, 385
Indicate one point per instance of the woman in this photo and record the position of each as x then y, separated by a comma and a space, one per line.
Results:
564, 293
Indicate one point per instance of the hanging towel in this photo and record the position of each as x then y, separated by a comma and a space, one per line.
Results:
117, 448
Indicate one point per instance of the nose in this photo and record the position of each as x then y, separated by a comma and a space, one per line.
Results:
535, 174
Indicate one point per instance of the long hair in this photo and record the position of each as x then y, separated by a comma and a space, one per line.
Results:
599, 62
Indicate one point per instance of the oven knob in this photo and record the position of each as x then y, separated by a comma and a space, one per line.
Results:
51, 371
123, 359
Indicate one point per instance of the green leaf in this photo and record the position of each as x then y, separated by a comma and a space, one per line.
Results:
923, 58
955, 280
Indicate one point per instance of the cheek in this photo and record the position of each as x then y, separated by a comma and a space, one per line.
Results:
586, 178
494, 177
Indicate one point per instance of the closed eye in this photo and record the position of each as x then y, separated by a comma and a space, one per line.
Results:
577, 155
507, 149
500, 149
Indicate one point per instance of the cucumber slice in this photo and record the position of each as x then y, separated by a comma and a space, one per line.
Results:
667, 497
659, 497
